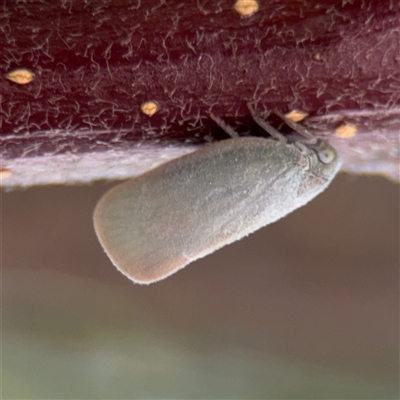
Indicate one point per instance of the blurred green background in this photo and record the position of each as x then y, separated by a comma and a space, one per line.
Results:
305, 308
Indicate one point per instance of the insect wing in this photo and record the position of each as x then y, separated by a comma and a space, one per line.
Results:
159, 222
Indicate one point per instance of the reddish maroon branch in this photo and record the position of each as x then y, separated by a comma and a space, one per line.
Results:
96, 62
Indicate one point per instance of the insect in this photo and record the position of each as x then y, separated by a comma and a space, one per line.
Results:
157, 223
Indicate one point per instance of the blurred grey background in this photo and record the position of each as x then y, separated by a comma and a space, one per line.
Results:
305, 308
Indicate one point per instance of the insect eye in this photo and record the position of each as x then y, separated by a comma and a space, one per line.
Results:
325, 153
326, 156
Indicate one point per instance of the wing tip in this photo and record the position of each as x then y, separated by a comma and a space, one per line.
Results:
148, 274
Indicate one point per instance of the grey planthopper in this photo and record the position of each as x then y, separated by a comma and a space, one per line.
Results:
159, 222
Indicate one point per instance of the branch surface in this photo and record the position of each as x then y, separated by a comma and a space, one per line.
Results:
95, 64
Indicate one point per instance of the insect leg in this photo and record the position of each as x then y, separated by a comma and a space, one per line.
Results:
228, 129
300, 129
265, 125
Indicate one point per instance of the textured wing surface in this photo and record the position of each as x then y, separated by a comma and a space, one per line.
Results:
159, 222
